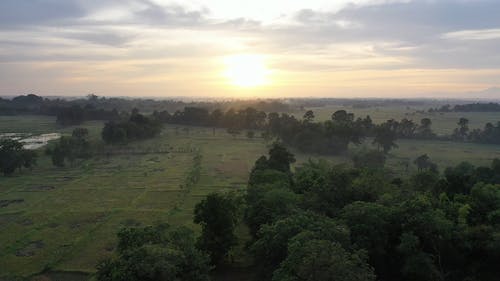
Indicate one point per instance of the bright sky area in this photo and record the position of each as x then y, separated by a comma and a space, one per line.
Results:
272, 48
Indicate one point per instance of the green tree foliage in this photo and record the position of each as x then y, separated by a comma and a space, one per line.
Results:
424, 131
280, 158
218, 215
385, 137
270, 247
308, 116
461, 132
157, 253
423, 162
76, 114
322, 260
327, 222
136, 127
13, 156
71, 148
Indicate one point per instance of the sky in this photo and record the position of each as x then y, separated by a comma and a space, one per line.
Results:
258, 48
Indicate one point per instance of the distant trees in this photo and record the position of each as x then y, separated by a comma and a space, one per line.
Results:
472, 107
13, 156
76, 115
136, 127
385, 137
73, 115
156, 254
77, 146
218, 215
490, 134
423, 162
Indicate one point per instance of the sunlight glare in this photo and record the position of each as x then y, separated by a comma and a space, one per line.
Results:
246, 70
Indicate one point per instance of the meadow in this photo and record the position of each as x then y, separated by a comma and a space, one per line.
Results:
66, 219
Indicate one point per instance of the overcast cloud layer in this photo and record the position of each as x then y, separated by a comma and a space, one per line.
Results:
314, 48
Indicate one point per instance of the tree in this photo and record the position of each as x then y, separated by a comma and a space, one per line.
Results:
270, 248
424, 130
71, 148
373, 229
268, 204
137, 127
423, 162
13, 156
385, 137
218, 215
322, 260
280, 158
155, 254
308, 116
460, 133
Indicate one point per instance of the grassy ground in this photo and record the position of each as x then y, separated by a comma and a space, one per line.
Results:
65, 219
68, 217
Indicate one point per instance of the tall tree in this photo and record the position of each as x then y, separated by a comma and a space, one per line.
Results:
385, 137
218, 215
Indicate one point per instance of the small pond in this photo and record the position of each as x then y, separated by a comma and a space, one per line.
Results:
31, 141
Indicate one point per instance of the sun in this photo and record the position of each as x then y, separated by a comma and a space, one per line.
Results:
246, 70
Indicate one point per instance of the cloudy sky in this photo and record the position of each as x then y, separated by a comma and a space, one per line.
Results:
265, 48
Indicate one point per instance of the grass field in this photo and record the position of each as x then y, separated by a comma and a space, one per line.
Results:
65, 219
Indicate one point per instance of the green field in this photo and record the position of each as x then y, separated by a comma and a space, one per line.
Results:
65, 219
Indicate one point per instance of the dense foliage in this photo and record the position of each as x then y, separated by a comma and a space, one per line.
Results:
357, 223
69, 149
471, 107
136, 127
13, 156
158, 253
217, 214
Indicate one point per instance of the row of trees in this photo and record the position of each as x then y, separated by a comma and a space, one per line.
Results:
490, 134
136, 127
13, 156
76, 115
103, 107
471, 107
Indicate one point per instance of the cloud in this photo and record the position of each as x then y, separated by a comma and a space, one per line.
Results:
15, 13
370, 35
481, 34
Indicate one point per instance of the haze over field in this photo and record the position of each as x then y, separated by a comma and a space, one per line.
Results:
358, 48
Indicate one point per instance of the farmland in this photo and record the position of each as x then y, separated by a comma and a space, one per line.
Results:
65, 219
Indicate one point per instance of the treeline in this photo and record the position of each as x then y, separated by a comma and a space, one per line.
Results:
135, 127
76, 115
471, 107
489, 135
102, 106
331, 136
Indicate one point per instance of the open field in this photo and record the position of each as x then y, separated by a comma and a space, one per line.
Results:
65, 219
442, 123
